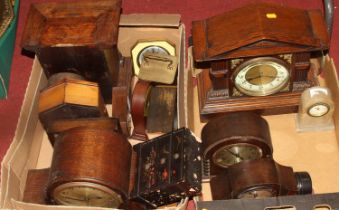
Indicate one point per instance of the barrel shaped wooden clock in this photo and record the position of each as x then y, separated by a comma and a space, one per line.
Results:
78, 37
257, 58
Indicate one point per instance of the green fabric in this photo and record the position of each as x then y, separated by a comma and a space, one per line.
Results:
6, 53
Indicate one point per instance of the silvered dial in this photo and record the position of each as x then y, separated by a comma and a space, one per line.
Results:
257, 193
235, 153
318, 110
261, 77
151, 49
86, 194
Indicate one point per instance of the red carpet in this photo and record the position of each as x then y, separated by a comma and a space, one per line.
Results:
189, 9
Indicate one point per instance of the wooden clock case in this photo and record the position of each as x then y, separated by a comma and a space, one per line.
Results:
221, 44
78, 38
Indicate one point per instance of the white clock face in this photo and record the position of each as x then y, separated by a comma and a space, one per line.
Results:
261, 77
318, 110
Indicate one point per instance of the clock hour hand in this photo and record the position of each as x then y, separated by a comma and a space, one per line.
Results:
235, 154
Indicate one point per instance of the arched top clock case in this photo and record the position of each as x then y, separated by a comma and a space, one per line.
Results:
259, 29
257, 57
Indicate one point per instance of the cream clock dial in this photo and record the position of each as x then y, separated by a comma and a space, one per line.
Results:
138, 51
86, 194
318, 110
261, 77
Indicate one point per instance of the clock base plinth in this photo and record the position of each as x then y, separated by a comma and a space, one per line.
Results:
215, 102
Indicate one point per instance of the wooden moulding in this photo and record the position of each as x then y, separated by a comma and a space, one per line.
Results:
70, 99
59, 127
79, 37
278, 103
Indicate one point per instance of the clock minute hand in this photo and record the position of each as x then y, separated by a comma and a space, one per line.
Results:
235, 154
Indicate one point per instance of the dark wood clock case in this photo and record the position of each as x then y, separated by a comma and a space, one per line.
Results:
78, 37
221, 44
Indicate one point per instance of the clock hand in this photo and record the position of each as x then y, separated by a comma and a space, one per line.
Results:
73, 198
235, 154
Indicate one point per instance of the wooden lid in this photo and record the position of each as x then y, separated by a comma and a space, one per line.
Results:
257, 30
85, 23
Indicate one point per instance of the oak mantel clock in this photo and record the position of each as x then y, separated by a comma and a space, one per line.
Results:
257, 58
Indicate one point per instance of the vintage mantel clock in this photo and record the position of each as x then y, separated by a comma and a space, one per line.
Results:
233, 138
257, 58
94, 165
78, 37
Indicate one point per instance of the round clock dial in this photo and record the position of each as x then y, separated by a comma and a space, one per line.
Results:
318, 110
235, 153
86, 194
142, 47
258, 193
151, 49
261, 77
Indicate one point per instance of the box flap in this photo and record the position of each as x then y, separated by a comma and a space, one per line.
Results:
150, 20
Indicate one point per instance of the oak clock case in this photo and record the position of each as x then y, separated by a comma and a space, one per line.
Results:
76, 176
52, 32
233, 138
263, 64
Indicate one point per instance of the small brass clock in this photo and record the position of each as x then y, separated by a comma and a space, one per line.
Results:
142, 47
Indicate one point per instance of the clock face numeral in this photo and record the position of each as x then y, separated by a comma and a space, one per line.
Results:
236, 153
86, 194
318, 110
261, 77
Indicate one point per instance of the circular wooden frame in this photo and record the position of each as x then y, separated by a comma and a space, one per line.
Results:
91, 155
235, 128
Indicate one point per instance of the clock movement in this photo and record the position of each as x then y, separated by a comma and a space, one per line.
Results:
234, 138
257, 58
78, 37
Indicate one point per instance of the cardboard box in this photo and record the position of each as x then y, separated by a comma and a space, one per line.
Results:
30, 148
6, 52
314, 152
